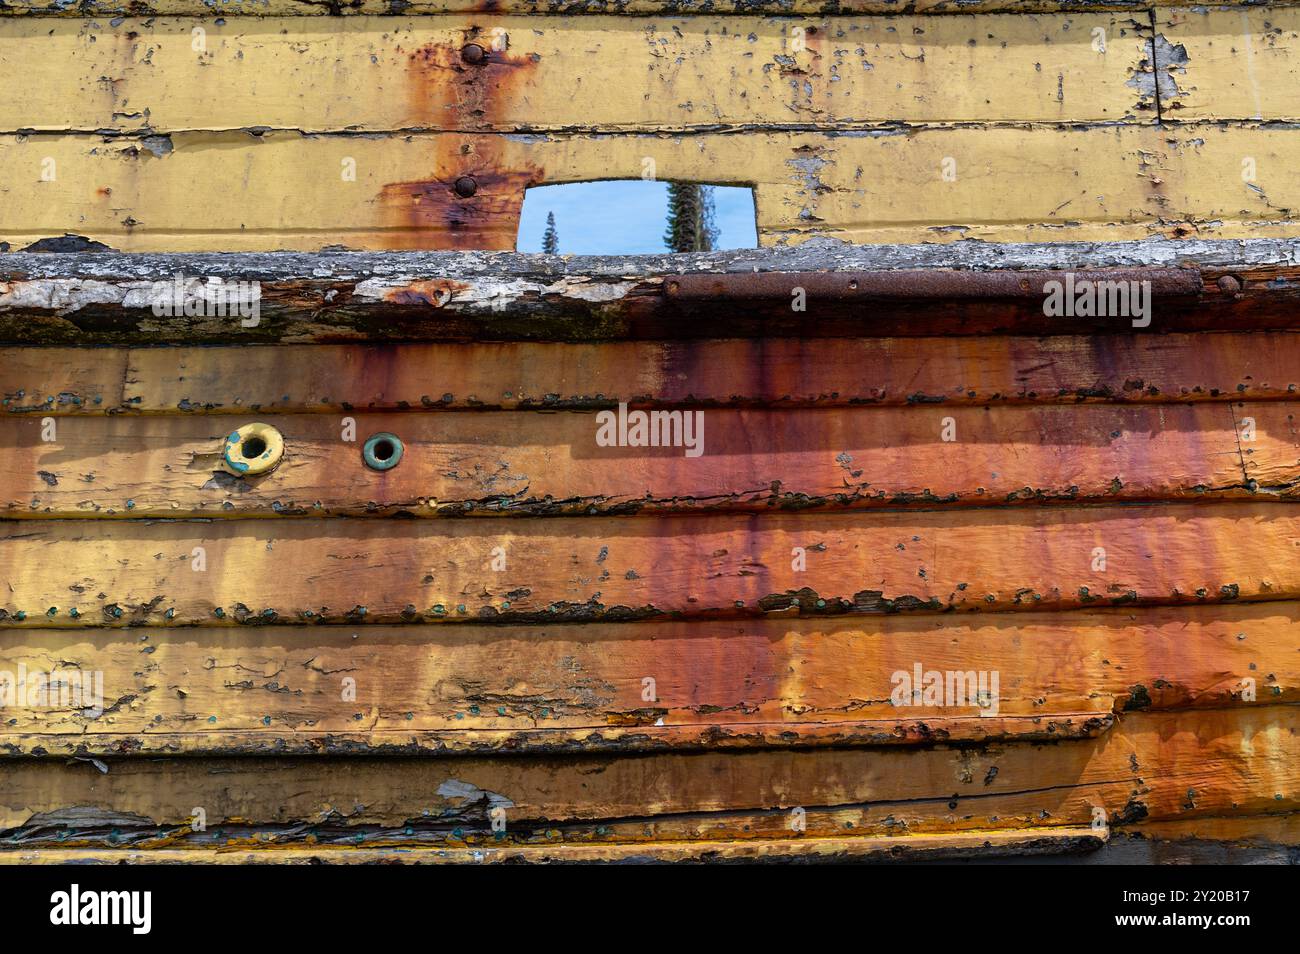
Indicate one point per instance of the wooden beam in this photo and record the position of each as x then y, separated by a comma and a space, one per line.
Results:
134, 572
1201, 766
90, 297
724, 460
388, 74
983, 845
570, 8
239, 191
785, 373
401, 690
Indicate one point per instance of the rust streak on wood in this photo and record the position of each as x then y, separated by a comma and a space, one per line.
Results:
508, 462
132, 572
752, 684
887, 372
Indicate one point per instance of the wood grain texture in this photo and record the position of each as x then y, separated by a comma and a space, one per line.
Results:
559, 569
729, 460
736, 685
284, 379
285, 190
397, 73
1197, 767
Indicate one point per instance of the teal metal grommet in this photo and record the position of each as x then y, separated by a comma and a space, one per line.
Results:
382, 451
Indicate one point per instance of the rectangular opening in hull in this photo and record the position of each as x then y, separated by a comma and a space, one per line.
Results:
635, 216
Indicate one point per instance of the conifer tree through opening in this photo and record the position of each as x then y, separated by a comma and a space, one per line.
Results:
690, 218
550, 238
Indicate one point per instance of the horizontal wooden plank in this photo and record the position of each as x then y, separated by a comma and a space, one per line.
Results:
723, 459
558, 569
285, 190
735, 685
1091, 847
382, 74
631, 738
1205, 766
787, 373
1138, 845
1271, 462
626, 8
904, 848
87, 296
1263, 830
1230, 64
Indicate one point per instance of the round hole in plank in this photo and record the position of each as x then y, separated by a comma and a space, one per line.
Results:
252, 449
382, 451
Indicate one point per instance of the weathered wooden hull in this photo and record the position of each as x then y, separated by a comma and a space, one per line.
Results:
949, 577
569, 652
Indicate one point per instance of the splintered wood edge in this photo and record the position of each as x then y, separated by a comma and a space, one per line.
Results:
79, 297
818, 254
1050, 727
623, 10
975, 844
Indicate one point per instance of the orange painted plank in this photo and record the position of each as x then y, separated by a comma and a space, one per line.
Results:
1270, 447
512, 462
1191, 766
954, 370
120, 572
716, 684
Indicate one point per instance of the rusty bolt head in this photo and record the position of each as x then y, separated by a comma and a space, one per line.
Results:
1229, 285
466, 187
473, 54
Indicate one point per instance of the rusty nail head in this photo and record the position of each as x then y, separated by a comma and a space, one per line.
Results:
473, 54
1229, 285
466, 187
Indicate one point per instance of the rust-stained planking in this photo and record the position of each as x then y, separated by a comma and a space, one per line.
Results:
1237, 764
519, 462
517, 74
991, 370
555, 569
1102, 517
285, 189
753, 684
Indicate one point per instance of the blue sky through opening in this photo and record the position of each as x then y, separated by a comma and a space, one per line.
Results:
625, 217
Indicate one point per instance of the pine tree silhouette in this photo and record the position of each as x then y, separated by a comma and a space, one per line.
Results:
691, 227
550, 238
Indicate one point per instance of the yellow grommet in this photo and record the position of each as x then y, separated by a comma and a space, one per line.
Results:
253, 449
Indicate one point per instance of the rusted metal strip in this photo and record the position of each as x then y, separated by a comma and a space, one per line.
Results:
921, 284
